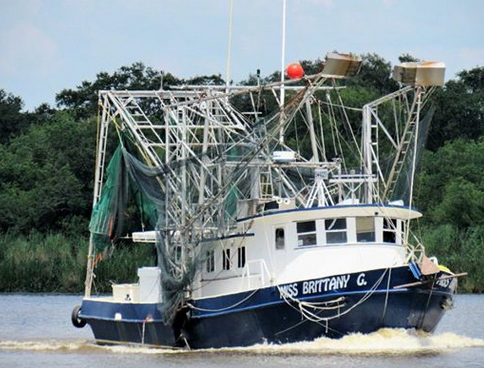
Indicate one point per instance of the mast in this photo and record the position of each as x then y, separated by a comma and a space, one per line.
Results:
283, 57
102, 134
367, 153
229, 47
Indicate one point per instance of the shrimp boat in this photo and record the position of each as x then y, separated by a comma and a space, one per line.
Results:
269, 226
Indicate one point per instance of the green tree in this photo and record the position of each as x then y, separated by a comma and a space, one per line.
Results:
375, 73
12, 120
46, 176
450, 187
459, 109
404, 58
83, 100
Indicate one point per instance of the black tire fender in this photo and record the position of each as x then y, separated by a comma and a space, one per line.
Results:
75, 319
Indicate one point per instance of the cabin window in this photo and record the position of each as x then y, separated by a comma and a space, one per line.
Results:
241, 257
210, 263
402, 237
389, 230
335, 231
273, 205
280, 238
365, 229
226, 259
306, 233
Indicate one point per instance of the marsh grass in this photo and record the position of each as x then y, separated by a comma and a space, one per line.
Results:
57, 263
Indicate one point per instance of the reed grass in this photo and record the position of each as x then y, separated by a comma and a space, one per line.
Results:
57, 263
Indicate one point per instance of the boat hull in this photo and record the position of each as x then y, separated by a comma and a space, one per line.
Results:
128, 323
332, 306
283, 324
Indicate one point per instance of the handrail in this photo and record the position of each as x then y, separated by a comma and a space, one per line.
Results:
263, 272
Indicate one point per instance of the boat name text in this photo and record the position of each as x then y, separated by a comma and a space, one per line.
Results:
319, 286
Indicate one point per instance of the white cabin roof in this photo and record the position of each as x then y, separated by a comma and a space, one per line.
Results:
338, 211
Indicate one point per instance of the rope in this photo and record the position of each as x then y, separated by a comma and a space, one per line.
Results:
225, 308
387, 293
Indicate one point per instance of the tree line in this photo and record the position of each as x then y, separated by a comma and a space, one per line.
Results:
47, 165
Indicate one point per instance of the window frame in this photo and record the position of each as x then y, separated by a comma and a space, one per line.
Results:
374, 232
210, 262
226, 261
307, 234
277, 244
390, 227
338, 230
241, 256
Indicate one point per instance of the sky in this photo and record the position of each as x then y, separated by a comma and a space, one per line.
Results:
50, 45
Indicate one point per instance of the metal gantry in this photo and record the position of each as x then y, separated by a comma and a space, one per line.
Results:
395, 129
209, 151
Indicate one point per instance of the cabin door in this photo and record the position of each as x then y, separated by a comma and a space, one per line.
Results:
279, 247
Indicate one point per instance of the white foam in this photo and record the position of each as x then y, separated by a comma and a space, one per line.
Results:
46, 345
82, 346
382, 342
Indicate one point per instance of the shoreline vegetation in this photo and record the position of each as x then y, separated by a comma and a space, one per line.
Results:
56, 263
47, 164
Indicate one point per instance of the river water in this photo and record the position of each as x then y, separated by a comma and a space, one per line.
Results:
35, 331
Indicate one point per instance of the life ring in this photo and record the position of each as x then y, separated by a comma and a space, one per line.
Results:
76, 320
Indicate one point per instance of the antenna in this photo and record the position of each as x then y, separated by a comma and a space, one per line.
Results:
283, 56
229, 46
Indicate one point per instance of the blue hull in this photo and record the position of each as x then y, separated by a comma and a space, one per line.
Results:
125, 323
337, 306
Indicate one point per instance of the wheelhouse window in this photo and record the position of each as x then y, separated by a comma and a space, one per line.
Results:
241, 257
389, 230
210, 262
306, 233
280, 238
226, 259
403, 225
365, 229
335, 231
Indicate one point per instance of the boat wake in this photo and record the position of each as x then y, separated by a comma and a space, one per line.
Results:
382, 342
49, 345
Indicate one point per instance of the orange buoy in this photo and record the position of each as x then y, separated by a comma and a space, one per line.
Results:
294, 71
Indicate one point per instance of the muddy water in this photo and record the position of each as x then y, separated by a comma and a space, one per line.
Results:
35, 331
